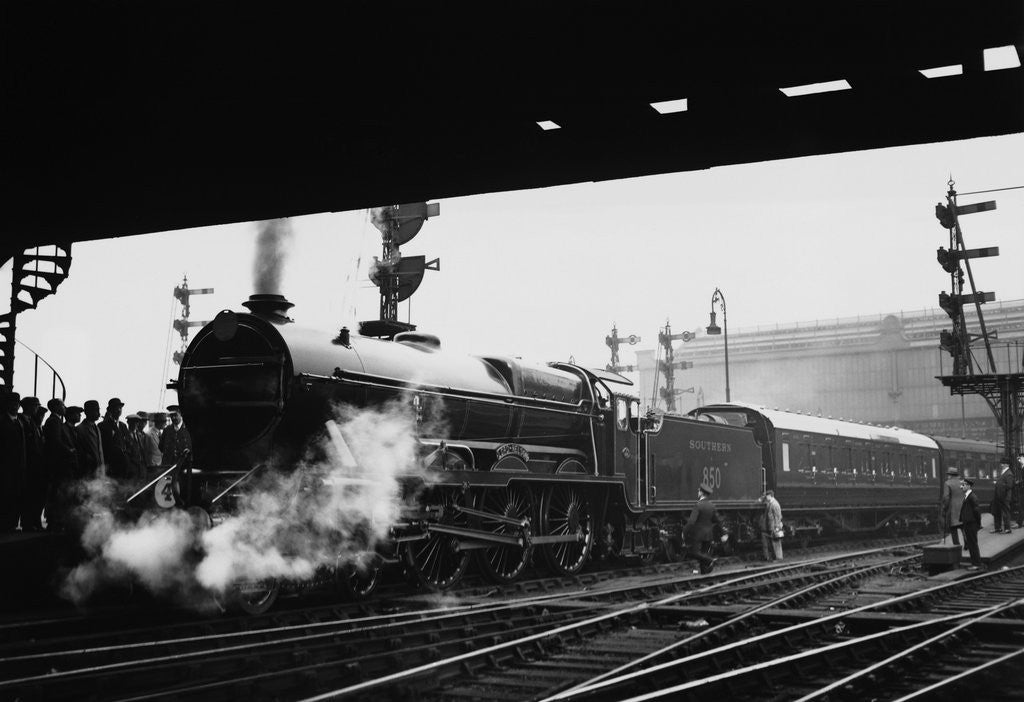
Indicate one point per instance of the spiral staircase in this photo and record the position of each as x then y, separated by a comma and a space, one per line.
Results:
34, 276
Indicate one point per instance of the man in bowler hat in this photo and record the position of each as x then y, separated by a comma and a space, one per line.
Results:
970, 517
114, 433
33, 496
90, 448
700, 528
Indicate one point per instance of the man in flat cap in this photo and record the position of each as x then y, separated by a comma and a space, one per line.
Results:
33, 496
175, 440
699, 531
12, 460
61, 456
135, 448
114, 433
150, 443
90, 443
952, 500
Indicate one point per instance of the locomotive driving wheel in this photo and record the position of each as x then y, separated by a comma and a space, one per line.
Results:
504, 563
358, 578
565, 511
436, 562
254, 596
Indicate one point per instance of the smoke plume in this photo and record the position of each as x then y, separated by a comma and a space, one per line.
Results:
272, 247
330, 510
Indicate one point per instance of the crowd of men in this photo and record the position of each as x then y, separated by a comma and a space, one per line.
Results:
47, 453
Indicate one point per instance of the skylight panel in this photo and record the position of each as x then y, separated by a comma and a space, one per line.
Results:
548, 125
942, 71
666, 107
812, 88
1000, 57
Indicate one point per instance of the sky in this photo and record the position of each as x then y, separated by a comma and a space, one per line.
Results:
545, 273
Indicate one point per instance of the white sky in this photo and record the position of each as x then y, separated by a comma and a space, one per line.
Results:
543, 274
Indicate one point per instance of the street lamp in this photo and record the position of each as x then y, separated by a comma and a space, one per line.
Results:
713, 328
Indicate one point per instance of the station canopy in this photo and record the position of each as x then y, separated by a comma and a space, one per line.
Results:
127, 117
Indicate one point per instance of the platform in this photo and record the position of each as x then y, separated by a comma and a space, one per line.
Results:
992, 547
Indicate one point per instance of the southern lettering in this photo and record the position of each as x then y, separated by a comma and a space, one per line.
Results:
716, 446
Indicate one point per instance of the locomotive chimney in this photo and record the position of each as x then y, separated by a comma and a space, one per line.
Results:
270, 306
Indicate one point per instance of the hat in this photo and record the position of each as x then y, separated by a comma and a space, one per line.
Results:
1004, 461
53, 404
952, 471
92, 403
173, 408
142, 414
133, 418
29, 401
707, 488
115, 402
73, 408
969, 482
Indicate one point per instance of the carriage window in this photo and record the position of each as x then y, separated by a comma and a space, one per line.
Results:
621, 416
785, 456
604, 397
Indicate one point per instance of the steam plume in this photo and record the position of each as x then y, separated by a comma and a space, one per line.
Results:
272, 247
328, 511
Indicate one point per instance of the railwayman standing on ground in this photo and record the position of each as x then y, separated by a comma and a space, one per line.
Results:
952, 501
1002, 504
772, 529
700, 529
970, 517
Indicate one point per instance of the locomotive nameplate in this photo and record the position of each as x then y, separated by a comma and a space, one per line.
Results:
512, 450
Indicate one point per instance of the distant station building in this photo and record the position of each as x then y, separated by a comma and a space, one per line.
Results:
878, 369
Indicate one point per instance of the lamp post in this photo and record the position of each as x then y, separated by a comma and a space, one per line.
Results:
713, 328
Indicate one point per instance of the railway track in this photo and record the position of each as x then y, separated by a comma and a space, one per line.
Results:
270, 658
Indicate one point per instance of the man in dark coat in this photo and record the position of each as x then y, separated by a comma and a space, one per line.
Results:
970, 517
90, 444
114, 434
12, 460
33, 496
1004, 491
700, 529
61, 457
952, 500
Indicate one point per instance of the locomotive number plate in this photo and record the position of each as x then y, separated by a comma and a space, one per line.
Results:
163, 492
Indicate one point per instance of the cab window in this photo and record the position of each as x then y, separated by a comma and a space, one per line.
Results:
621, 413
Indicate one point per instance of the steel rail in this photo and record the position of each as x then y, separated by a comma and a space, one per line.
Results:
399, 619
497, 648
616, 675
900, 655
579, 692
692, 685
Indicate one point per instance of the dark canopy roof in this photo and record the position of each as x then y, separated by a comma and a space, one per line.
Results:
139, 116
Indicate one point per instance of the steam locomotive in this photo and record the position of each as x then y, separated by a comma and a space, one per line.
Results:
552, 463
